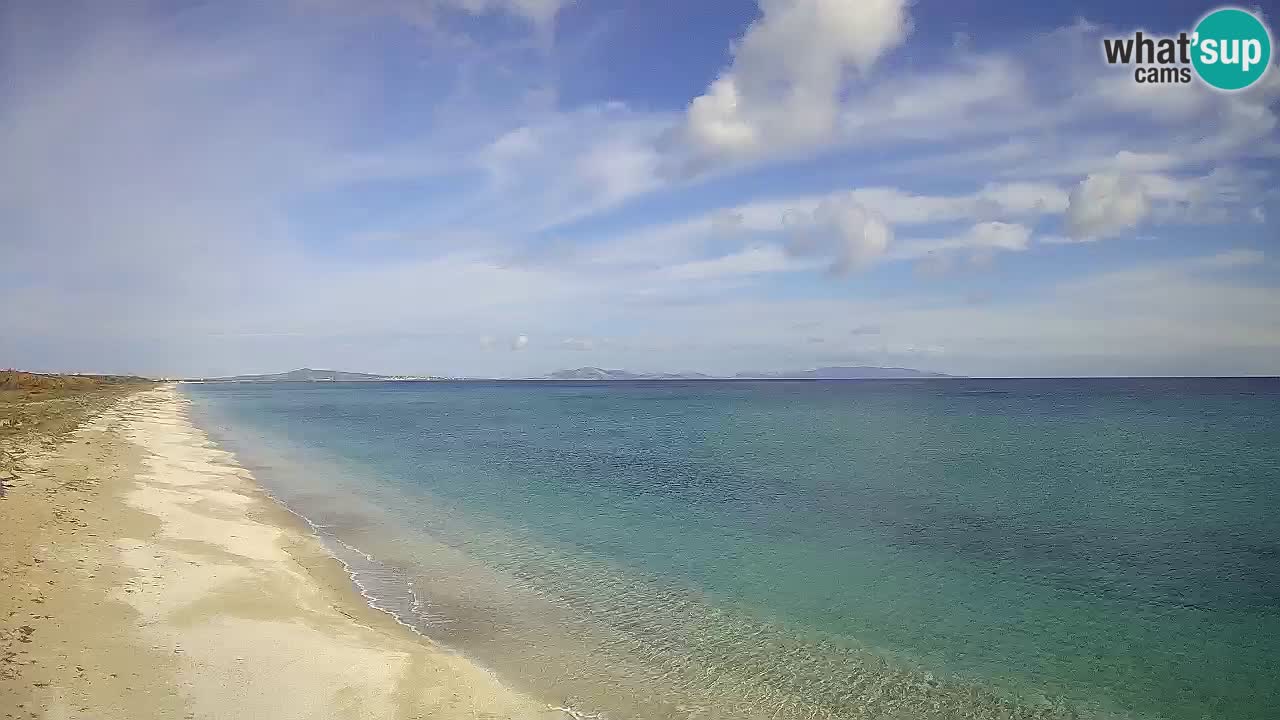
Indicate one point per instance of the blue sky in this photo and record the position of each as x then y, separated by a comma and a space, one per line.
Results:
509, 187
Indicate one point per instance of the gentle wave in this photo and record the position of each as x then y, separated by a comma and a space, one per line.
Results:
715, 664
884, 563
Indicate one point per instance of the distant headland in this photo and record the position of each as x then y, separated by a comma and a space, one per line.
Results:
859, 372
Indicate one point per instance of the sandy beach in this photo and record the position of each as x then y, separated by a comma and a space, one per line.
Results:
146, 575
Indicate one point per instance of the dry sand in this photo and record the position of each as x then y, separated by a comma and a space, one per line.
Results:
146, 575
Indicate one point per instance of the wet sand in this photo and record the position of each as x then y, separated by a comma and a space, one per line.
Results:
146, 575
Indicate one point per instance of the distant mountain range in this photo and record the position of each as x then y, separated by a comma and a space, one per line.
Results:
309, 375
856, 372
860, 372
595, 373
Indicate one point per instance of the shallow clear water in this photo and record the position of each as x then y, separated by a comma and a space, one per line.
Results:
878, 549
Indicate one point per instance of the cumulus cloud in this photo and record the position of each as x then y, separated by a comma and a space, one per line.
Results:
784, 85
845, 234
840, 231
1103, 205
1106, 204
219, 235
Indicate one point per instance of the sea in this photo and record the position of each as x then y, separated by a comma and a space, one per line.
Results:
916, 549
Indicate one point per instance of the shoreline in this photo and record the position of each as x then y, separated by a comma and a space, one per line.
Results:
212, 599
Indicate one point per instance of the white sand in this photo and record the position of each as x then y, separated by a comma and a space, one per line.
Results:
237, 609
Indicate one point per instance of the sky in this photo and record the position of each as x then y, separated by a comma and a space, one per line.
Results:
510, 187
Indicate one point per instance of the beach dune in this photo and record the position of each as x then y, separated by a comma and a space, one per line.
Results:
150, 576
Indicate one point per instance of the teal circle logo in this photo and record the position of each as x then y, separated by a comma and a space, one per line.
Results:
1231, 49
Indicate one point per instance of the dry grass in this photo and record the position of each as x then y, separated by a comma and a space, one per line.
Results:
17, 380
38, 409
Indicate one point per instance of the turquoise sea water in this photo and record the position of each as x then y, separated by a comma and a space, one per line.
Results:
863, 549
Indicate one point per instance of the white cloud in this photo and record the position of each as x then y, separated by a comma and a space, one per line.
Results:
751, 261
842, 232
619, 169
432, 14
663, 244
979, 240
197, 217
565, 165
995, 200
1125, 161
1244, 124
1001, 236
784, 85
508, 151
1158, 317
1162, 102
975, 95
896, 206
539, 12
1025, 199
715, 120
1063, 129
1106, 204
1103, 205
846, 230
